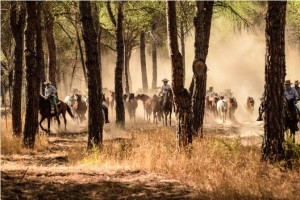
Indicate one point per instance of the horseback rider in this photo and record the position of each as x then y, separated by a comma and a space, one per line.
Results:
297, 88
289, 93
210, 91
51, 94
165, 88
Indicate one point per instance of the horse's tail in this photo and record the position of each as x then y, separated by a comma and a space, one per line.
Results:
69, 111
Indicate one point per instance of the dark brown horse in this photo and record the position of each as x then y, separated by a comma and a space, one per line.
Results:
167, 106
131, 106
45, 111
143, 98
232, 106
79, 108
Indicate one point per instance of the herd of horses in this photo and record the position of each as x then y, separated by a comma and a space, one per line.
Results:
160, 108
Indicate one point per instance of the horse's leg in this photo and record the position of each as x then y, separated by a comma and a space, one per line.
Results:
58, 122
42, 119
49, 120
65, 120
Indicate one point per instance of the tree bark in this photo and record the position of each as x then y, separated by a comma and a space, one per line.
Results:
275, 70
182, 98
154, 58
202, 23
39, 47
127, 75
17, 23
143, 62
95, 121
120, 112
32, 80
49, 33
182, 48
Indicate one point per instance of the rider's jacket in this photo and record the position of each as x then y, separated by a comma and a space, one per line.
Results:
50, 91
290, 93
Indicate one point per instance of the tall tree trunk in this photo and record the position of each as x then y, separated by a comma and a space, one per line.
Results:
32, 80
182, 48
95, 124
182, 98
49, 32
128, 81
202, 23
154, 58
272, 148
120, 112
81, 52
39, 46
143, 62
17, 23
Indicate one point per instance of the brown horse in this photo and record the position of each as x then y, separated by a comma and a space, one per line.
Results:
45, 111
148, 108
131, 106
249, 105
143, 98
156, 108
211, 104
79, 108
232, 106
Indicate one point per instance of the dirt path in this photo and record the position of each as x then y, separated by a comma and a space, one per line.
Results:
49, 175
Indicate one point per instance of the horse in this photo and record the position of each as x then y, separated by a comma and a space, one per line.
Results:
291, 120
156, 109
131, 106
232, 106
211, 104
148, 108
45, 111
143, 98
80, 108
70, 100
222, 110
249, 105
167, 106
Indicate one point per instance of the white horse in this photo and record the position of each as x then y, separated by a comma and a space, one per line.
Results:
222, 109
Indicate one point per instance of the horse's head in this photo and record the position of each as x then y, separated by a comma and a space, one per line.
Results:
131, 96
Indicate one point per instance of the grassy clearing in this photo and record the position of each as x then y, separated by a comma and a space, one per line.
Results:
217, 168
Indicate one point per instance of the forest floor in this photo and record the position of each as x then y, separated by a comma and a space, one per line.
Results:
59, 169
48, 174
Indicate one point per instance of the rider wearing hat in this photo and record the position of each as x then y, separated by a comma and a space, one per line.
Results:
50, 93
290, 92
165, 87
297, 88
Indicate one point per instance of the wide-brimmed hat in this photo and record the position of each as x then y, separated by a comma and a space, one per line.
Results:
75, 90
296, 82
287, 82
165, 80
47, 82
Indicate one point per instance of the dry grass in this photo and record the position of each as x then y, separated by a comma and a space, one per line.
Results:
14, 145
216, 168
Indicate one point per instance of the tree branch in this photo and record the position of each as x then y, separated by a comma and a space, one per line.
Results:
111, 15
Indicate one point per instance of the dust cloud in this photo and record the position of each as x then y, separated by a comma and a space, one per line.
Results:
236, 61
